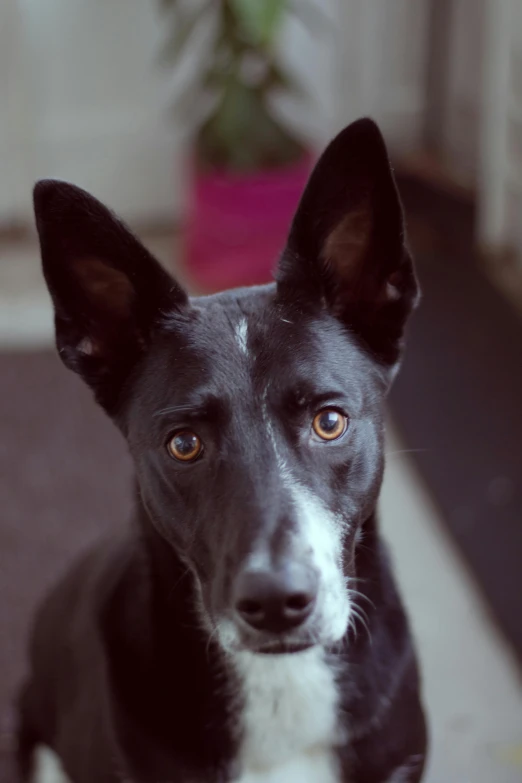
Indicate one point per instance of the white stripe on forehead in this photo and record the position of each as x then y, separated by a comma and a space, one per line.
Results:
241, 332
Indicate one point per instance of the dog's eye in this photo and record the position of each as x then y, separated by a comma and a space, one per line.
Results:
329, 424
185, 446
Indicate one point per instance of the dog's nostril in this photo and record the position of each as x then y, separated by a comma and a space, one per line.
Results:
298, 602
249, 607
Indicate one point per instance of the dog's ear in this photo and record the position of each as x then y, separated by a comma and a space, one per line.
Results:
108, 291
346, 249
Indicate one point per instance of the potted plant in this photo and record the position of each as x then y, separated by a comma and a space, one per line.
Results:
248, 168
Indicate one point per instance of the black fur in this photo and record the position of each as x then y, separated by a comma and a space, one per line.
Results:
126, 681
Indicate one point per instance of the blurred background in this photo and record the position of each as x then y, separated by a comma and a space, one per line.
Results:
198, 121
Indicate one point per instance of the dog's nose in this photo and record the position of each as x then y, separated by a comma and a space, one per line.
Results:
276, 601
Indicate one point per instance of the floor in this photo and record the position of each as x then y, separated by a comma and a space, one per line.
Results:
472, 687
457, 398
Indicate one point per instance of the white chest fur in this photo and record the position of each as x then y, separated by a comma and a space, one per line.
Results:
290, 719
47, 767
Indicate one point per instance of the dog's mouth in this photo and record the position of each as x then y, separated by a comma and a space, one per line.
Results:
280, 647
236, 639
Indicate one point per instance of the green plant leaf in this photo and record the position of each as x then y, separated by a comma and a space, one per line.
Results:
259, 19
183, 23
278, 80
182, 30
227, 102
242, 135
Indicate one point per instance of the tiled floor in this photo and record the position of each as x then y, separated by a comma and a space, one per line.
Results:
472, 688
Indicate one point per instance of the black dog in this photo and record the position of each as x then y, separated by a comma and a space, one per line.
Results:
248, 628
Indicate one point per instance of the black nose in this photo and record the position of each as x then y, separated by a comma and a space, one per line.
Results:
276, 601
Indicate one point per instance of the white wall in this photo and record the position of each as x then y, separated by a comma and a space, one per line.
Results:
500, 180
514, 150
92, 105
17, 121
466, 44
382, 74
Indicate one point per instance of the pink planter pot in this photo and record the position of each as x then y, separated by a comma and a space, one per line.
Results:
237, 225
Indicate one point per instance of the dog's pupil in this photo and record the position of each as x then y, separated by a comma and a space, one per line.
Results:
329, 421
186, 443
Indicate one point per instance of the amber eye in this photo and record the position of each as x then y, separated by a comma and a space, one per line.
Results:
184, 446
330, 424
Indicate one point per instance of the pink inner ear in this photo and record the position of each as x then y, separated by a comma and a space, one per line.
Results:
346, 251
87, 347
106, 288
346, 246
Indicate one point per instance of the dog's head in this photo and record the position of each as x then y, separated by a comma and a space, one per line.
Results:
253, 416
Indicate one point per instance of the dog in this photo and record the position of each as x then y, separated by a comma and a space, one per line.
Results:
247, 627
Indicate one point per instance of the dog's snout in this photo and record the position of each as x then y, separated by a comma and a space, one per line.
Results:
276, 601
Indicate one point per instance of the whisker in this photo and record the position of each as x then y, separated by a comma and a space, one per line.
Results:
338, 647
173, 410
360, 615
176, 583
358, 579
209, 640
357, 594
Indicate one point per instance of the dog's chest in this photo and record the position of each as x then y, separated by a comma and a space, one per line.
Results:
289, 723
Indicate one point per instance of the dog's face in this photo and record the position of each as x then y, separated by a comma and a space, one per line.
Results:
253, 416
256, 432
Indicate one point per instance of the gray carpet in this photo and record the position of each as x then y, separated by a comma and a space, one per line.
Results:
64, 477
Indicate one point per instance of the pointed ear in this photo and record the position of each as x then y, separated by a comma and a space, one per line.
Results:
108, 291
346, 249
